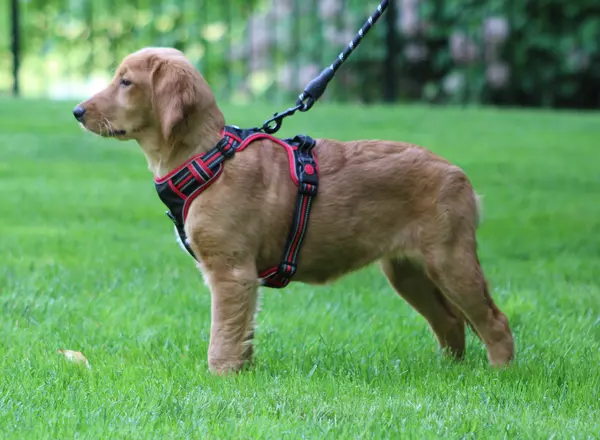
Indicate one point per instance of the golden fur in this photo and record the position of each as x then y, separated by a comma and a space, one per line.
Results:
378, 200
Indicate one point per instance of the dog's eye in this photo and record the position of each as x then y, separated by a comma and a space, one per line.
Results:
125, 82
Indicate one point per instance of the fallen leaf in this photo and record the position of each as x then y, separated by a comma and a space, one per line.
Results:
75, 356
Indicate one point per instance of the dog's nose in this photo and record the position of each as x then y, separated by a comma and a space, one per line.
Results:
78, 112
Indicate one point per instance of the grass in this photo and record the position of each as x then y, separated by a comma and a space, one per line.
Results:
89, 263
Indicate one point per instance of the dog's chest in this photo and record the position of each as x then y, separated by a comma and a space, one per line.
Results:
178, 189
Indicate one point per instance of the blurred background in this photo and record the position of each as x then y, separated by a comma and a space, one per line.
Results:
534, 53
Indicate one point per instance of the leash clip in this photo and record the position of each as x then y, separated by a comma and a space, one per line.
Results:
277, 119
268, 126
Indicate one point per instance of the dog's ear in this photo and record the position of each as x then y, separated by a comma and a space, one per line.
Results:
174, 95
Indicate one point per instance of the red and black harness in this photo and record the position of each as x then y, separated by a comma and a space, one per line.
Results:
179, 188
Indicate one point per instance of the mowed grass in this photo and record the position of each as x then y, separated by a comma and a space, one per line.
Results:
89, 263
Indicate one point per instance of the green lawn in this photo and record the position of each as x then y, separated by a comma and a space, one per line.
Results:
89, 263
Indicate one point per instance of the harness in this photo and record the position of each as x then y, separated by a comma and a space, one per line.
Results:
180, 187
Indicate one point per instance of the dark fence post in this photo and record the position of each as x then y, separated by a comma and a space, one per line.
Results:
389, 81
16, 44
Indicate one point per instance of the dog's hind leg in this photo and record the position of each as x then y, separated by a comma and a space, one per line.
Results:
446, 321
456, 270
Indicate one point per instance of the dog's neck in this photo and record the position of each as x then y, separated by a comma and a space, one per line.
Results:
164, 155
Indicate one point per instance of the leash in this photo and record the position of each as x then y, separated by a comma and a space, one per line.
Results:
316, 87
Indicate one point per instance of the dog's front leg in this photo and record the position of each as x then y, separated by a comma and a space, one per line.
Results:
234, 294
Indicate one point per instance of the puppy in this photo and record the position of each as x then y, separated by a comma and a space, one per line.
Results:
378, 200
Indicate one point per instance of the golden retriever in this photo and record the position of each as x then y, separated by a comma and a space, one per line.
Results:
378, 200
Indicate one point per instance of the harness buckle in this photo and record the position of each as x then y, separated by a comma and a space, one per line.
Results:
307, 189
306, 169
171, 216
226, 152
286, 269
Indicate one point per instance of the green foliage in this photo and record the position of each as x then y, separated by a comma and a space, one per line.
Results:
552, 52
550, 56
80, 38
555, 51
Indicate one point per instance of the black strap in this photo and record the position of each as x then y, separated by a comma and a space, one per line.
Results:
179, 228
308, 182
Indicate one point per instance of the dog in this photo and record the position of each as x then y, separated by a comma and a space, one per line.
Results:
382, 201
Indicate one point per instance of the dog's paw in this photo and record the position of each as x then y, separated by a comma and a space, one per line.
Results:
222, 367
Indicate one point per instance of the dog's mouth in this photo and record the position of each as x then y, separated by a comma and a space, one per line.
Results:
115, 133
105, 129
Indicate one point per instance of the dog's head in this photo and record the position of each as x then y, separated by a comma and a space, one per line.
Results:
153, 91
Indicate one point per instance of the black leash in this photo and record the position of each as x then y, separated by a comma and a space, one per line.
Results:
316, 87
